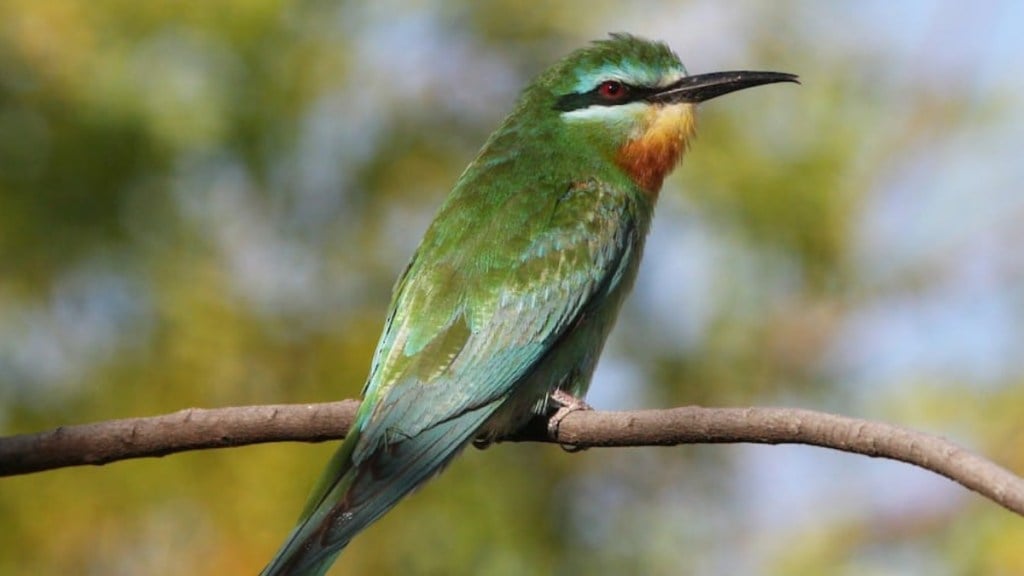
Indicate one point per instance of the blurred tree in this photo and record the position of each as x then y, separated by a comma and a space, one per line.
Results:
207, 203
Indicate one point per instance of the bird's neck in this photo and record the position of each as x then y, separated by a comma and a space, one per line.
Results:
656, 149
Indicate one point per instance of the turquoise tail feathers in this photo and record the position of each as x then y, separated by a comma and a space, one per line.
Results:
299, 554
352, 495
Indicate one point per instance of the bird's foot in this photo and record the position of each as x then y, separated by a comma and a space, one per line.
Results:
567, 404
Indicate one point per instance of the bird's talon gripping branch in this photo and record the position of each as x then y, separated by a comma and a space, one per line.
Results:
567, 404
566, 400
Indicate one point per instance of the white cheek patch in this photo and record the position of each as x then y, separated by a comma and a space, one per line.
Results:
623, 113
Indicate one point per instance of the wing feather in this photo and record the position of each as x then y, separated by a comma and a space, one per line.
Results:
475, 314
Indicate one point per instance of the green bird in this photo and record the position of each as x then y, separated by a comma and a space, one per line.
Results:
502, 312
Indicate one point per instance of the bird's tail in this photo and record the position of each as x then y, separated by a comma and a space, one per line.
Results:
352, 495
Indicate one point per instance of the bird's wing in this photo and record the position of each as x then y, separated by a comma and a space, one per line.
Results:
481, 306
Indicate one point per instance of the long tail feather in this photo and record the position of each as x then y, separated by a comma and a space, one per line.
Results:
351, 496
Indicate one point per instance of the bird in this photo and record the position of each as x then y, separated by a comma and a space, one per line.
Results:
505, 306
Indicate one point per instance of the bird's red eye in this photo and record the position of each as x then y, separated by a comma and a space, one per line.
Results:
612, 91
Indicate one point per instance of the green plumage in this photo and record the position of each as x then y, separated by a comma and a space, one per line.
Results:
510, 295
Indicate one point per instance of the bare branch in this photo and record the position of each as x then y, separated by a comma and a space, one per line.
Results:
189, 429
195, 429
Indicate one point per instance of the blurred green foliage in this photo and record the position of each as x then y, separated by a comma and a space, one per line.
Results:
206, 203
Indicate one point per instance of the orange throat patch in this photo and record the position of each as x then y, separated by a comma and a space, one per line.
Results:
649, 157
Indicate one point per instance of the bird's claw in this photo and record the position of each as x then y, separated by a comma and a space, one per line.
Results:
567, 404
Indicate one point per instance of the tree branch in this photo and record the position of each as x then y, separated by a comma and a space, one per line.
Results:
196, 429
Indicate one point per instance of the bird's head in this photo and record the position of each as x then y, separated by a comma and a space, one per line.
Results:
631, 101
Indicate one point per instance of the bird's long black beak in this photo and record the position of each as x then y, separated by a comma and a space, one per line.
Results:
694, 89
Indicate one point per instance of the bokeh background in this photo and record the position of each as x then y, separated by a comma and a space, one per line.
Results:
206, 204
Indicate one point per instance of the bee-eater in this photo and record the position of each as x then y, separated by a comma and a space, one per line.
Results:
507, 302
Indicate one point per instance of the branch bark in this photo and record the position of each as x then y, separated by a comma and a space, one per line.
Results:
196, 429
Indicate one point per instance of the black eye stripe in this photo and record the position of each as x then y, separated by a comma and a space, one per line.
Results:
580, 100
